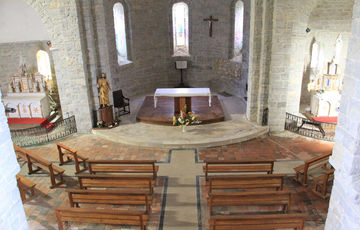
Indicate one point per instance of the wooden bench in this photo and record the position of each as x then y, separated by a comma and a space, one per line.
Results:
267, 221
144, 182
25, 186
111, 197
267, 181
101, 216
258, 199
302, 170
40, 163
70, 153
245, 166
123, 166
321, 182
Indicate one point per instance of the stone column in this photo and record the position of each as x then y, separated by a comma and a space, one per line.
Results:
12, 215
344, 209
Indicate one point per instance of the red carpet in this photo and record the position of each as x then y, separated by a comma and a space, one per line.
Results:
326, 119
26, 120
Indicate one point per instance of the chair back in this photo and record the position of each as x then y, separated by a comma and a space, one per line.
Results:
118, 98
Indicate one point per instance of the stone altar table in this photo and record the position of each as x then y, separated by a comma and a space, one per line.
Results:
182, 96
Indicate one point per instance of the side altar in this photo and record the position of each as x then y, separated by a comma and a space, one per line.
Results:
27, 94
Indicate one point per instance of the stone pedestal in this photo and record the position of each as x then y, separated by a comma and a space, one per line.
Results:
107, 115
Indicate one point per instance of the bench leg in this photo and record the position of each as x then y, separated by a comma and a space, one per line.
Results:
60, 223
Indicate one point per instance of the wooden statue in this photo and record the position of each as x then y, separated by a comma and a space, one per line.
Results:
104, 88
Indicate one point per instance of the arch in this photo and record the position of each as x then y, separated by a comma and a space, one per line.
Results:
120, 33
238, 28
180, 24
43, 63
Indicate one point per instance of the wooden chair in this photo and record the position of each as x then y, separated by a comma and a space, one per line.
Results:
121, 103
25, 186
123, 166
42, 164
258, 199
246, 166
133, 182
246, 182
321, 183
266, 221
302, 171
110, 197
101, 216
71, 153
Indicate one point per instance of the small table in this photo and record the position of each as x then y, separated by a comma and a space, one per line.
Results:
181, 96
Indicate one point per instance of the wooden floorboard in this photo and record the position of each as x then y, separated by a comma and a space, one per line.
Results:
163, 113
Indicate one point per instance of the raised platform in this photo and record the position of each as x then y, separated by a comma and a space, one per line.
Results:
236, 130
163, 113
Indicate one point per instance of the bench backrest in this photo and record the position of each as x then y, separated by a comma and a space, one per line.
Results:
110, 197
103, 216
268, 221
32, 156
267, 198
317, 160
61, 146
116, 181
271, 181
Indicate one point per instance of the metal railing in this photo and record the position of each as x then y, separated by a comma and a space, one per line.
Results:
39, 135
310, 128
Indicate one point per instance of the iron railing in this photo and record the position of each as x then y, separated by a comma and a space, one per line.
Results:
40, 135
310, 128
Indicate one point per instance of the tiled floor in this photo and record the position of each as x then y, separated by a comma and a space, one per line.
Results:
286, 148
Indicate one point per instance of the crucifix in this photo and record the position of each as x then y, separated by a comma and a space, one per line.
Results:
211, 20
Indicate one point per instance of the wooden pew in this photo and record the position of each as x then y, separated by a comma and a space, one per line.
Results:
123, 166
302, 170
111, 197
243, 166
263, 198
267, 221
70, 153
321, 182
25, 186
251, 181
133, 182
101, 216
40, 163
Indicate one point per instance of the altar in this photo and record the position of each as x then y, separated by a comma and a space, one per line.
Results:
182, 96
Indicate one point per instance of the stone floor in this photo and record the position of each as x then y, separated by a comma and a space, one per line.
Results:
179, 202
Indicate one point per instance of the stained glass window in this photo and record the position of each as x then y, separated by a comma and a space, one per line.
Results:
238, 28
180, 13
43, 63
120, 33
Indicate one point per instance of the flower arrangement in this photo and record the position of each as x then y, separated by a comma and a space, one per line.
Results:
185, 118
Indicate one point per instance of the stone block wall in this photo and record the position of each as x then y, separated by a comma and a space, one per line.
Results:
10, 61
12, 215
344, 209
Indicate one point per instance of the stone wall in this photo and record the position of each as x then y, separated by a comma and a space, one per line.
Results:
327, 21
149, 33
61, 21
10, 54
344, 209
12, 215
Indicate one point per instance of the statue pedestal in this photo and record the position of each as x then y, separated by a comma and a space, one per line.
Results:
107, 115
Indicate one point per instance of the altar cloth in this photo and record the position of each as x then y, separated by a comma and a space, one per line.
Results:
182, 92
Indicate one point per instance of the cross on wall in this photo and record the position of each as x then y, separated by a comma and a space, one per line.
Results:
211, 20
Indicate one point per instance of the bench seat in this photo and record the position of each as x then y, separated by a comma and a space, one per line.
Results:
245, 182
100, 216
243, 166
267, 221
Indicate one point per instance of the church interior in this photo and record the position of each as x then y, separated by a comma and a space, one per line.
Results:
179, 114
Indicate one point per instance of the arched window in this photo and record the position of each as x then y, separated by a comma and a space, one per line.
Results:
238, 28
315, 55
120, 33
43, 63
180, 17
